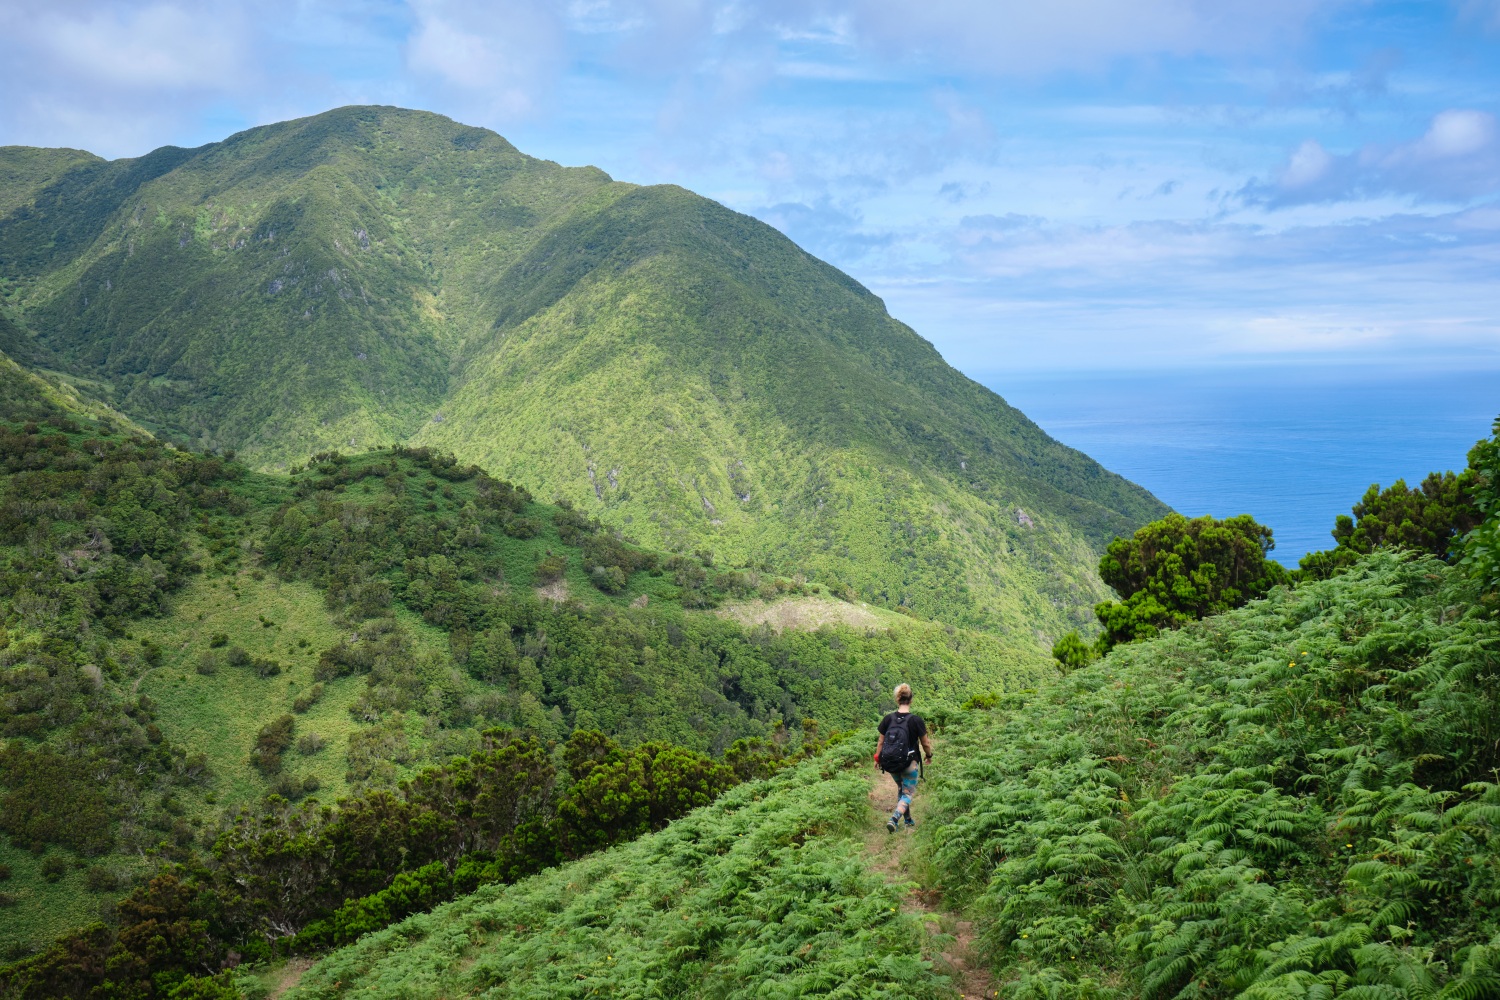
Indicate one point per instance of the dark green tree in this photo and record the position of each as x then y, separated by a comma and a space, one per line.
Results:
1176, 570
1432, 519
270, 743
1071, 652
1480, 548
624, 795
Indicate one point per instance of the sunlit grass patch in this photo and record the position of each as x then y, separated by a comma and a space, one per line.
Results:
220, 713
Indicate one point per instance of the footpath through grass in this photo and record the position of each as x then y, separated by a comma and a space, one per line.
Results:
899, 858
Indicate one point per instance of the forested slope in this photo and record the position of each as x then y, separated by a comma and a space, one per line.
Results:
180, 636
1295, 799
375, 275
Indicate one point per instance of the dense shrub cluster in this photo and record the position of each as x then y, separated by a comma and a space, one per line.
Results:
548, 668
1432, 518
1451, 516
1480, 551
273, 740
1176, 570
94, 531
607, 559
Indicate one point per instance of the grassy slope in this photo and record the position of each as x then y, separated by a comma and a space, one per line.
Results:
765, 893
283, 291
1293, 797
349, 279
221, 713
25, 395
1286, 801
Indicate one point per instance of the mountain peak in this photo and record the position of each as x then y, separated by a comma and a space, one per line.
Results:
372, 129
377, 274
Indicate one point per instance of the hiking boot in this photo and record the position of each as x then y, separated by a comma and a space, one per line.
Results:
911, 825
890, 825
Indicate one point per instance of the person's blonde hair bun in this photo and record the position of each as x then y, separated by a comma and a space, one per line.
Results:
903, 694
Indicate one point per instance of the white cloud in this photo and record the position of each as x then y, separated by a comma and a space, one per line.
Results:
1453, 133
1308, 165
500, 56
119, 72
1456, 159
155, 45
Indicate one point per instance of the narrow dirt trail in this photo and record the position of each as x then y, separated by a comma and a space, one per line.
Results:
288, 976
890, 854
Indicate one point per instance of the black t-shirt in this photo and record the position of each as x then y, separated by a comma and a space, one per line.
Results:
915, 727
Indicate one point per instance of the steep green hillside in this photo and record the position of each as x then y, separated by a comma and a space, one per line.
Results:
180, 636
27, 396
1292, 800
373, 275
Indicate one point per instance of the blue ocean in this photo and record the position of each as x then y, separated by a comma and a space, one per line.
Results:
1292, 446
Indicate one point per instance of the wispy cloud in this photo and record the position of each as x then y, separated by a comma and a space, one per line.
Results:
497, 57
1080, 180
1155, 294
1456, 159
1003, 37
825, 229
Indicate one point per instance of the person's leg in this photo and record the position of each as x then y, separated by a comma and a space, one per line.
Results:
907, 783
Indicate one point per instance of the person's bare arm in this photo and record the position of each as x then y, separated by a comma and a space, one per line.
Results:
879, 744
926, 747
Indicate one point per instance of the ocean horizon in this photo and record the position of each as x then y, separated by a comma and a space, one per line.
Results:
1292, 445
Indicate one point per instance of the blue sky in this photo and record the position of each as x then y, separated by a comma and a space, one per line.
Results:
1075, 184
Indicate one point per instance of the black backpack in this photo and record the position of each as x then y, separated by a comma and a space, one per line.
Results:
897, 751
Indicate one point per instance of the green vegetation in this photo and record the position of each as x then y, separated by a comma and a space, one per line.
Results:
282, 878
373, 275
1289, 800
1442, 518
1174, 571
1432, 519
513, 736
1292, 799
1481, 546
763, 893
183, 637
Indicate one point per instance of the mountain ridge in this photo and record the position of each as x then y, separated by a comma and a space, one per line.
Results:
377, 275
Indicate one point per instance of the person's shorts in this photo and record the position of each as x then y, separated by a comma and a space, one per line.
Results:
907, 780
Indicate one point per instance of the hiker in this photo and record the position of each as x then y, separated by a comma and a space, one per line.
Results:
896, 754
